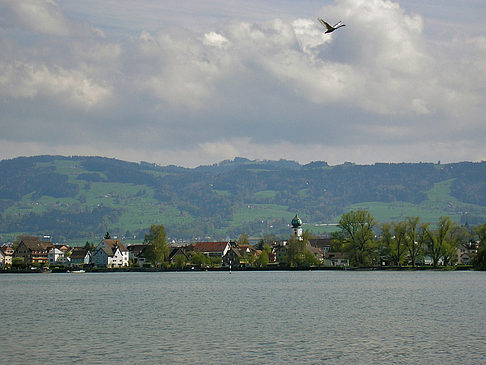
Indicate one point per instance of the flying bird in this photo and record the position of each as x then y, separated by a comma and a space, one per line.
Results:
330, 28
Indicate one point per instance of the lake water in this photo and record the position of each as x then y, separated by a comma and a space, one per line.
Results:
313, 317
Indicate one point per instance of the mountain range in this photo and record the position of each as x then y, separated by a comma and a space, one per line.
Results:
81, 198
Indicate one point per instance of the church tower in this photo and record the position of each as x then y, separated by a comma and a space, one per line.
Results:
297, 227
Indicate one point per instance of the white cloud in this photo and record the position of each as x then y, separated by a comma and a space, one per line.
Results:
378, 63
178, 68
271, 88
214, 39
22, 80
43, 16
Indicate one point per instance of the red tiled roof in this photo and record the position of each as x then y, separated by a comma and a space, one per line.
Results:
210, 246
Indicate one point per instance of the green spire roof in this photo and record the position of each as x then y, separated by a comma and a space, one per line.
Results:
296, 222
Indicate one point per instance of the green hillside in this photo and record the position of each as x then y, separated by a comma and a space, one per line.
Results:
80, 198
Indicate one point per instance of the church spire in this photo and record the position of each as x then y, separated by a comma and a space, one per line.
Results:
297, 227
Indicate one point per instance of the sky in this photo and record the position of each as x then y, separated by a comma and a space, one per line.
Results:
196, 82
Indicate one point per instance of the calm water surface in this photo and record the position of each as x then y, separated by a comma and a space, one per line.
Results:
310, 317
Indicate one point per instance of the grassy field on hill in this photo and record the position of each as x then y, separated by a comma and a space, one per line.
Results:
82, 197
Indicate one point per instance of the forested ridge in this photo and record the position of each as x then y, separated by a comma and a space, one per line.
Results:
81, 196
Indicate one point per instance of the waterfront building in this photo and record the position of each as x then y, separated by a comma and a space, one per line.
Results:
212, 249
136, 254
177, 251
466, 252
33, 251
56, 256
6, 253
2, 259
110, 253
80, 256
233, 257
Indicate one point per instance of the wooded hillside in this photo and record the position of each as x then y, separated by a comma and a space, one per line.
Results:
83, 197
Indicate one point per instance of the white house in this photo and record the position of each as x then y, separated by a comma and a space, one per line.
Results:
57, 257
6, 253
110, 253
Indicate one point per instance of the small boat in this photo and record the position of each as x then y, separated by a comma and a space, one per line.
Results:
77, 272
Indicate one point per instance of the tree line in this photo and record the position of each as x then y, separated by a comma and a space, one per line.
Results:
404, 242
359, 235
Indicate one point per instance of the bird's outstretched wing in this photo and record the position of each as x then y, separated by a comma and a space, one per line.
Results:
328, 27
338, 23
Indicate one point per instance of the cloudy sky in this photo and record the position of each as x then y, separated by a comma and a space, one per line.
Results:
198, 81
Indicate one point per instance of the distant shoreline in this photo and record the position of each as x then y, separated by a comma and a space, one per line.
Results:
226, 269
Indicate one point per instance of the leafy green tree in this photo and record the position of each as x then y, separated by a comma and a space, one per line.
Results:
414, 238
260, 244
180, 262
267, 248
89, 246
356, 236
266, 240
457, 235
246, 258
309, 259
297, 253
479, 260
262, 260
243, 240
441, 242
199, 260
293, 251
393, 239
481, 234
157, 250
18, 262
107, 236
214, 261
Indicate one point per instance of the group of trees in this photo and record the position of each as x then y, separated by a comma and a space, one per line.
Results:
404, 242
479, 260
360, 236
298, 254
157, 251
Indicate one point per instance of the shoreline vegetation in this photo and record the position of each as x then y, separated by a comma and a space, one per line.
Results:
359, 244
64, 270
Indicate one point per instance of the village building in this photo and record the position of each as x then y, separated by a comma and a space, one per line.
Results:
80, 256
56, 256
6, 253
110, 253
466, 252
323, 243
2, 259
33, 251
234, 258
320, 247
212, 249
177, 251
136, 254
336, 259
